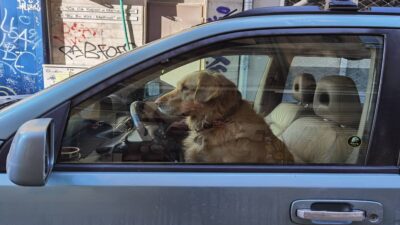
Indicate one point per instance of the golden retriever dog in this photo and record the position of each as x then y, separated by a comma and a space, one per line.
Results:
223, 127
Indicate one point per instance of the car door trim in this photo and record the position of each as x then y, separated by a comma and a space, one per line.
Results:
173, 167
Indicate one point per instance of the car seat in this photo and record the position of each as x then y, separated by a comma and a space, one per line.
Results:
324, 137
285, 113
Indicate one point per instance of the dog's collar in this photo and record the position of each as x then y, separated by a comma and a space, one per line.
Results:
220, 122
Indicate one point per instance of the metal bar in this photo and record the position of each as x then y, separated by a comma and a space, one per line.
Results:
121, 4
308, 214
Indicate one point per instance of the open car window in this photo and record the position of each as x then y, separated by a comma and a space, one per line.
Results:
266, 100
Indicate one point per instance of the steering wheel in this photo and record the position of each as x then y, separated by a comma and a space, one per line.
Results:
160, 135
149, 122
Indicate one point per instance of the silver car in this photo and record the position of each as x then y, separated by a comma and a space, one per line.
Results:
89, 151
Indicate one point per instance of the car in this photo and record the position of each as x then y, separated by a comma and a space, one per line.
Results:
8, 100
95, 148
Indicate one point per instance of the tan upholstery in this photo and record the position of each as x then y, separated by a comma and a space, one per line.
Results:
323, 138
304, 88
282, 116
285, 113
336, 98
313, 140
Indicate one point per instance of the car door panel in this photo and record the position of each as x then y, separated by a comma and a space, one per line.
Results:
186, 198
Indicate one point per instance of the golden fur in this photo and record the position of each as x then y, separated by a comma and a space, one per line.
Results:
223, 127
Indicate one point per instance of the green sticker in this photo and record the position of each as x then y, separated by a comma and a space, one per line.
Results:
354, 141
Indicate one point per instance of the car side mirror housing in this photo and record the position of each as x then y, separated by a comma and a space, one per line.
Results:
31, 156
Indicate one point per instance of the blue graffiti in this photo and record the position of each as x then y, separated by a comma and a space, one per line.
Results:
225, 11
218, 64
21, 48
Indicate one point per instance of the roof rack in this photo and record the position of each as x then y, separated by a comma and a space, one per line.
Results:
342, 5
276, 10
287, 10
386, 10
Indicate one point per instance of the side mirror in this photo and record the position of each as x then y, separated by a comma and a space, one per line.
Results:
31, 156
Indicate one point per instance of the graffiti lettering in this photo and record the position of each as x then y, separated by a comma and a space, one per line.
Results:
21, 53
5, 91
76, 33
225, 11
17, 45
25, 20
10, 67
218, 64
29, 5
92, 51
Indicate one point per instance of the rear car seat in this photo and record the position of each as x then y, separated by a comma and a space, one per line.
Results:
323, 138
285, 113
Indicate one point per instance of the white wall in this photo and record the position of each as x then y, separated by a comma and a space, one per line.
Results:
267, 3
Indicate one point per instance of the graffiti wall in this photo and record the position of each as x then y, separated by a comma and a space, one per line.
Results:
21, 47
88, 32
84, 33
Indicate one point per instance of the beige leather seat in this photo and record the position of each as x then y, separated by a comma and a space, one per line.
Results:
324, 138
285, 113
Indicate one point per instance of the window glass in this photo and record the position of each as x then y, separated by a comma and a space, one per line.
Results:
356, 69
264, 100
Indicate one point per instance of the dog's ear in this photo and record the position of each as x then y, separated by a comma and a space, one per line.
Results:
208, 88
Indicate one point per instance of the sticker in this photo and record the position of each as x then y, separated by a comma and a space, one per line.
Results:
354, 141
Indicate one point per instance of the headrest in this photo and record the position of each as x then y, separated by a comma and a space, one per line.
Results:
304, 88
336, 98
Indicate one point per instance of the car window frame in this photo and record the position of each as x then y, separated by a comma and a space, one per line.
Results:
389, 36
235, 35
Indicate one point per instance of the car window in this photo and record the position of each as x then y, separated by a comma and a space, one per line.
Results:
266, 100
356, 69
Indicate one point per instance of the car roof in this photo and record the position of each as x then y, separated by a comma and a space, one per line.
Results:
290, 10
38, 104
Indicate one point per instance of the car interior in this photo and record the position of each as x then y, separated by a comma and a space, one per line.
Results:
317, 94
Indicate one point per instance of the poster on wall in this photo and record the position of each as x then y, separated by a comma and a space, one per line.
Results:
53, 74
21, 47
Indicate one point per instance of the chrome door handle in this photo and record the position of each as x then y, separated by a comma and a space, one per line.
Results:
308, 214
321, 211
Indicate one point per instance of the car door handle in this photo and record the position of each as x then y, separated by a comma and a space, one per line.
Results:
320, 211
308, 214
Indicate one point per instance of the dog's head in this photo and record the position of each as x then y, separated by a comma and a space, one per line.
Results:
200, 93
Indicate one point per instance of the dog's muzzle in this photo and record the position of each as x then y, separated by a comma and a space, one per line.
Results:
164, 108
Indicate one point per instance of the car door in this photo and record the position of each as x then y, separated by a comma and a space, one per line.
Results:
111, 187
